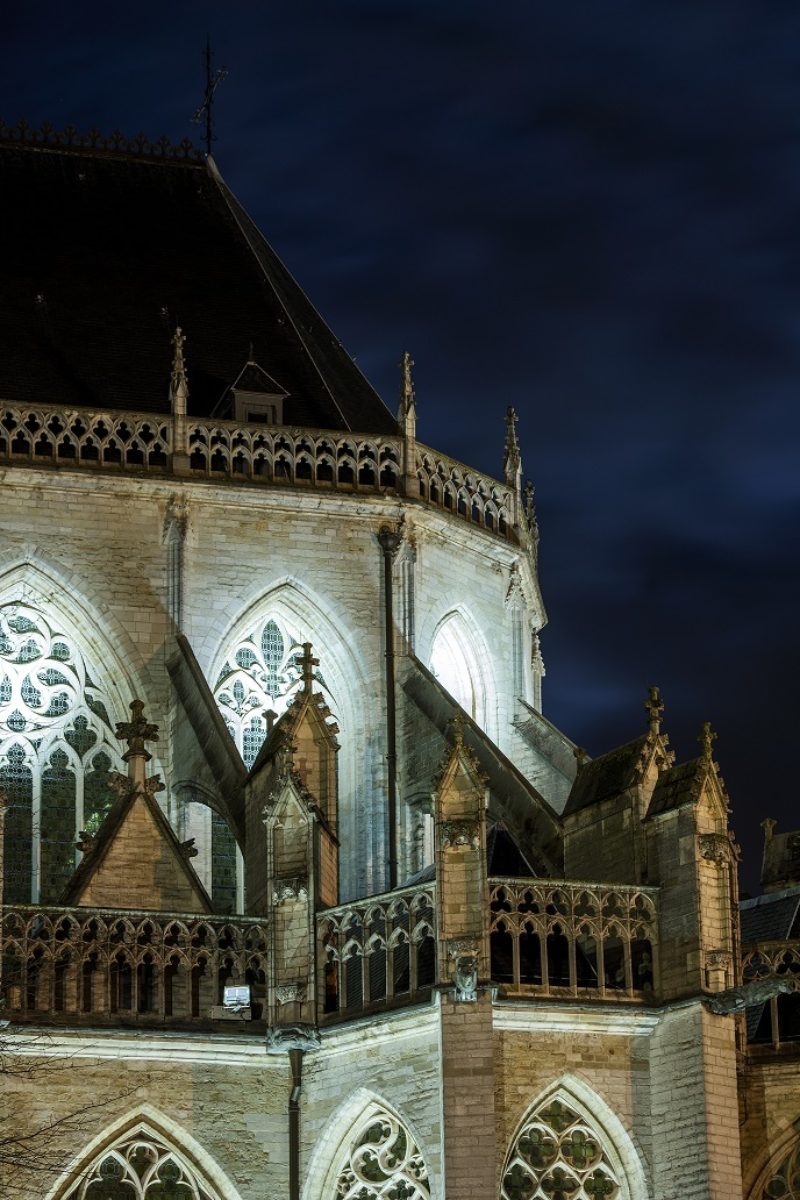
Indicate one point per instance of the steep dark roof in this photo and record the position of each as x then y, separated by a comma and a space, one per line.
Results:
770, 918
679, 785
606, 776
103, 254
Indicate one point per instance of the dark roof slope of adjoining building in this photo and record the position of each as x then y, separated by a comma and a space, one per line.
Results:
771, 918
607, 776
104, 251
678, 785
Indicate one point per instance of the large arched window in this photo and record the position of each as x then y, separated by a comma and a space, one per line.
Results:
455, 664
558, 1153
782, 1181
382, 1161
140, 1165
261, 673
56, 750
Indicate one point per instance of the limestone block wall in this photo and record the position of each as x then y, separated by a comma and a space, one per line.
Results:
102, 549
226, 1094
770, 1112
600, 1060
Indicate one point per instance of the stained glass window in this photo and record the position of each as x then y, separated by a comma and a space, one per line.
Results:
383, 1161
56, 750
784, 1182
139, 1166
261, 673
558, 1156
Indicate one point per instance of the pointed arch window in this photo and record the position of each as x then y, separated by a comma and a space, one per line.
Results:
383, 1161
455, 664
260, 673
783, 1181
558, 1155
139, 1166
57, 748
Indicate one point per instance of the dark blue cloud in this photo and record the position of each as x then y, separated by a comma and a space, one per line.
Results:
588, 211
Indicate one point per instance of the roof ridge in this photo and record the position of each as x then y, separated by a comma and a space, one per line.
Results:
251, 234
47, 137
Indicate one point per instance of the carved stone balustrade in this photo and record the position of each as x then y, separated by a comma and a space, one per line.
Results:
101, 967
776, 1021
574, 940
377, 952
48, 436
280, 455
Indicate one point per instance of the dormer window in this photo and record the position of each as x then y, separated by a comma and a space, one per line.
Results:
256, 398
255, 408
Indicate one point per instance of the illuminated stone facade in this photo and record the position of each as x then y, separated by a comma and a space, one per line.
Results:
470, 961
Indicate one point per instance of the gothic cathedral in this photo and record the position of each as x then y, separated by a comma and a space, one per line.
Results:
303, 895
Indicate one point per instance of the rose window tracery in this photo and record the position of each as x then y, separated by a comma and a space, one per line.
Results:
557, 1156
139, 1167
784, 1182
57, 748
383, 1164
260, 673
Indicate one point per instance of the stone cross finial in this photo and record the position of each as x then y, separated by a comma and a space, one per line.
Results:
180, 383
136, 732
407, 397
307, 664
706, 739
655, 707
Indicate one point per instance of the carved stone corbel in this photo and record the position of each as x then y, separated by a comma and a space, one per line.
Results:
465, 832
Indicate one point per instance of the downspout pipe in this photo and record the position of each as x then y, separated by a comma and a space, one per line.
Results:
296, 1065
389, 542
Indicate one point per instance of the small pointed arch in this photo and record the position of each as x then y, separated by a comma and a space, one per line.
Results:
459, 658
139, 1152
570, 1136
264, 636
368, 1132
778, 1172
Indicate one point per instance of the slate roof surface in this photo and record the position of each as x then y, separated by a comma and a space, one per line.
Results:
770, 918
101, 256
678, 785
606, 776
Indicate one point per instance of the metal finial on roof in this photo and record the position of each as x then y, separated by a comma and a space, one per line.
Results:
706, 738
655, 707
205, 113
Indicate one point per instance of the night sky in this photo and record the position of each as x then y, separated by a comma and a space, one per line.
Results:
588, 211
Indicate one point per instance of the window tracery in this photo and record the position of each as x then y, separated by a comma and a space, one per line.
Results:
139, 1166
784, 1182
57, 748
260, 673
558, 1156
383, 1164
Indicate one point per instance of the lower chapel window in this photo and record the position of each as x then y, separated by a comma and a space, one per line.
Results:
260, 674
57, 748
383, 1162
783, 1183
139, 1167
557, 1156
